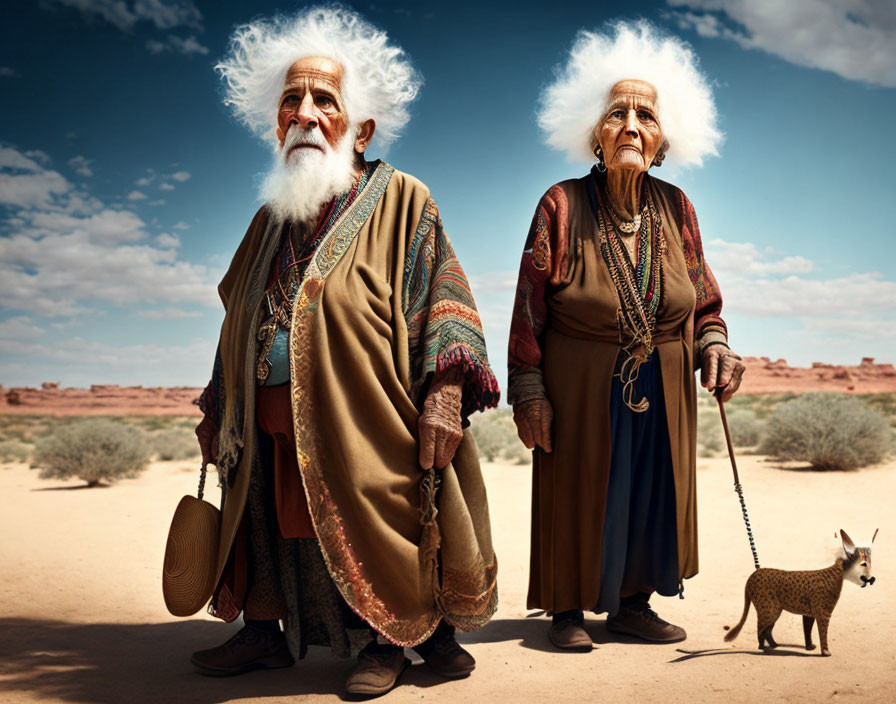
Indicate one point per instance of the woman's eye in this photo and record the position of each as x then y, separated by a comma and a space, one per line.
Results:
645, 117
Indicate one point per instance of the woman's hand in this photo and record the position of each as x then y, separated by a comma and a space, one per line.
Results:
533, 423
207, 433
440, 423
721, 369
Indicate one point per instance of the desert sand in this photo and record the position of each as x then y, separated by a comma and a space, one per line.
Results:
82, 617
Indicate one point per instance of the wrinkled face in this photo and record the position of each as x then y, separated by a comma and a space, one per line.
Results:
629, 133
312, 100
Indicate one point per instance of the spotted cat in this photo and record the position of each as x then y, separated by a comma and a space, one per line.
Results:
810, 593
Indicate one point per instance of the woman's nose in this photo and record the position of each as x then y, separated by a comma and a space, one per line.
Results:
631, 123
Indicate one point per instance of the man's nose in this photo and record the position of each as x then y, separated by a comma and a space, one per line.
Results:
305, 115
631, 123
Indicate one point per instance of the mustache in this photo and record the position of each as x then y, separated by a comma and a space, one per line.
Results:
296, 136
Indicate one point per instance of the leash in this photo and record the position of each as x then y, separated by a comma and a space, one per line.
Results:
737, 487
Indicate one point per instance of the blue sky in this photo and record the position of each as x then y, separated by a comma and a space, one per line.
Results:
125, 185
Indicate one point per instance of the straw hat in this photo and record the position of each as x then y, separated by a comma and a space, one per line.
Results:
191, 555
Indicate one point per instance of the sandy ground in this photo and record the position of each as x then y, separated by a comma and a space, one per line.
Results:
82, 617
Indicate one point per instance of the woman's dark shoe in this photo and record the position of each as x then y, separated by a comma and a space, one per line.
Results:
643, 622
378, 669
249, 649
569, 634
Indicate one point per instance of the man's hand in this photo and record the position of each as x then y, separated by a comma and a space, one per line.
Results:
533, 423
207, 432
722, 369
440, 423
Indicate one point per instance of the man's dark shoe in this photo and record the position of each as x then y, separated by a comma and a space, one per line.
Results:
570, 634
446, 657
249, 649
378, 669
643, 622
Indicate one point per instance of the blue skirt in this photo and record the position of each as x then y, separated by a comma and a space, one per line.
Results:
640, 538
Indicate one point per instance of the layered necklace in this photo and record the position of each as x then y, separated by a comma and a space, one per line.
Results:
639, 287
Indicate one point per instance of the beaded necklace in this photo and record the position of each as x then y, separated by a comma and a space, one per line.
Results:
639, 288
289, 267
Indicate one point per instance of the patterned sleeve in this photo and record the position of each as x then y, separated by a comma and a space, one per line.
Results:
444, 329
709, 328
544, 261
211, 401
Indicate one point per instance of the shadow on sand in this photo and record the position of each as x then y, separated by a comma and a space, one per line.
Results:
150, 663
802, 653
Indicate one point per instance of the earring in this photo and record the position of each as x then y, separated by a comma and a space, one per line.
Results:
658, 159
599, 155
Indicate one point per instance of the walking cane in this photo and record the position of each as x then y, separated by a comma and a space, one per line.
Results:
737, 487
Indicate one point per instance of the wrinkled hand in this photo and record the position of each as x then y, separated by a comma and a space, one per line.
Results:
721, 369
207, 432
440, 423
533, 423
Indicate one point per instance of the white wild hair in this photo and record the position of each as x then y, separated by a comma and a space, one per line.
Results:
572, 105
379, 81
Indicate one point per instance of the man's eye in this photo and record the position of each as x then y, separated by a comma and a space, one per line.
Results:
617, 114
324, 101
289, 100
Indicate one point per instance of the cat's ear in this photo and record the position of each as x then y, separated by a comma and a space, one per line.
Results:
848, 545
875, 535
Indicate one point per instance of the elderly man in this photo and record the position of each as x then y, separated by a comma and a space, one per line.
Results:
350, 356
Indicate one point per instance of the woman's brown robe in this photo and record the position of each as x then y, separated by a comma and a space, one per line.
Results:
564, 344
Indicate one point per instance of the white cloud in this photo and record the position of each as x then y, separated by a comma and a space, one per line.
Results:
26, 183
81, 165
181, 225
178, 45
180, 176
125, 16
18, 328
167, 240
168, 314
144, 181
137, 195
8, 72
64, 250
765, 284
157, 203
745, 257
165, 186
79, 362
855, 39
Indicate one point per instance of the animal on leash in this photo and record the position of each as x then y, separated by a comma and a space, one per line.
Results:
811, 593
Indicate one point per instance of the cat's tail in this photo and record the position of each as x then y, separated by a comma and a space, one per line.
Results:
734, 632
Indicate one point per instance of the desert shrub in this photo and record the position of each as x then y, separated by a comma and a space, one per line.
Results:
174, 444
829, 431
94, 450
496, 437
710, 437
744, 426
14, 451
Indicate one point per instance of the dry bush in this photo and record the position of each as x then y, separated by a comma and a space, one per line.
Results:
496, 437
745, 427
829, 431
14, 451
174, 444
95, 450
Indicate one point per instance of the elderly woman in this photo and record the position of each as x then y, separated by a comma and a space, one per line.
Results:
615, 308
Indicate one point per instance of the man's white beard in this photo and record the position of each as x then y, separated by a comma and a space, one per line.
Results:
302, 180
